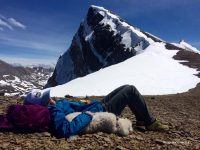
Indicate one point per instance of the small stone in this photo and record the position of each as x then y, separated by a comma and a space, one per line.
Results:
197, 146
97, 136
139, 138
18, 148
107, 140
158, 147
191, 139
4, 145
160, 142
47, 134
100, 133
133, 136
105, 145
120, 148
82, 148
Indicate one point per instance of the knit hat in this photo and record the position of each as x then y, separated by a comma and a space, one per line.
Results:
36, 96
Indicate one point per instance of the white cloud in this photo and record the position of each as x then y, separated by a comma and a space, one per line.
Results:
16, 23
10, 23
5, 24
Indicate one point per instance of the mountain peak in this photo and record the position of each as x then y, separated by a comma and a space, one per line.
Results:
103, 39
104, 11
99, 8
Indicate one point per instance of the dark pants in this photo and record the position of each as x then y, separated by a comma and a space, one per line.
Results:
118, 99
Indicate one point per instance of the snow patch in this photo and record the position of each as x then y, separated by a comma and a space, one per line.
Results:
3, 83
131, 37
88, 37
11, 94
126, 39
153, 72
187, 46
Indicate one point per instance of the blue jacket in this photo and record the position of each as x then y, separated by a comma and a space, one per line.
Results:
62, 127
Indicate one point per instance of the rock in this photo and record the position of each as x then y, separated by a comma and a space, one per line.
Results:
4, 145
160, 142
197, 146
139, 138
63, 145
105, 145
120, 148
82, 148
46, 134
158, 147
107, 140
191, 139
17, 148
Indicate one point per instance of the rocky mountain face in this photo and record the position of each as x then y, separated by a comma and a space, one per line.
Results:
103, 39
16, 80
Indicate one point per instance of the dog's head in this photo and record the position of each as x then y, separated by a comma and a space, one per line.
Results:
124, 126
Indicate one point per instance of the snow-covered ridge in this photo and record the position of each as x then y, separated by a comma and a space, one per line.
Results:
153, 72
156, 37
187, 46
122, 26
118, 26
106, 52
16, 80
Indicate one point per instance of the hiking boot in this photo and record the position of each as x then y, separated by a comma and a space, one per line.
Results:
140, 126
157, 125
139, 123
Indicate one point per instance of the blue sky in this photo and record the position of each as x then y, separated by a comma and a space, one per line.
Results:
38, 31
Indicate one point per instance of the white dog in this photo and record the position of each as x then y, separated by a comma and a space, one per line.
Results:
105, 122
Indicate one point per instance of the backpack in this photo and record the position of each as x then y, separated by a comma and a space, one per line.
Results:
29, 117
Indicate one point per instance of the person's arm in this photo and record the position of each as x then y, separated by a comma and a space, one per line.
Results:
63, 127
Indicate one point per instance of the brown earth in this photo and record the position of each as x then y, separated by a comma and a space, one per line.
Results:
180, 111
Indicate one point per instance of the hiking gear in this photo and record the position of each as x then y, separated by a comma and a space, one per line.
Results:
139, 123
118, 99
39, 97
157, 126
30, 117
64, 128
4, 123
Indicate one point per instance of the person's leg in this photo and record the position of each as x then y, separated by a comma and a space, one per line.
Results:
125, 95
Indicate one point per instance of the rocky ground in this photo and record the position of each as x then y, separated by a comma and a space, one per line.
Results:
180, 111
